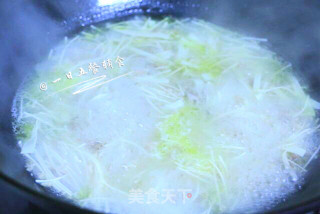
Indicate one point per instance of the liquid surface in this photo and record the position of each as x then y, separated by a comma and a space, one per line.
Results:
180, 115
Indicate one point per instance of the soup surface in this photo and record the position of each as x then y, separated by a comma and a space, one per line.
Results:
180, 115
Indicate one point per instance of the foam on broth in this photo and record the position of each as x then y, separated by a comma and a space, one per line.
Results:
204, 112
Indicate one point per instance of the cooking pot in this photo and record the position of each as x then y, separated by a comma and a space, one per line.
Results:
31, 27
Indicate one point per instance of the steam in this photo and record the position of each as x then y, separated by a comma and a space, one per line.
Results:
291, 28
25, 38
28, 36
